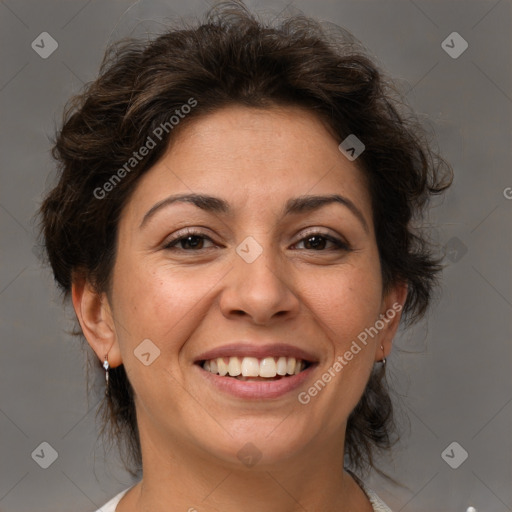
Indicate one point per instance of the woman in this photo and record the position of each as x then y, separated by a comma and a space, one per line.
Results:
233, 225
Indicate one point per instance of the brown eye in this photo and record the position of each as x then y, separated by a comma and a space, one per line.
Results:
321, 242
189, 242
192, 242
315, 242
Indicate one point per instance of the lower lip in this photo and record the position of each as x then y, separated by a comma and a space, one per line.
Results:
257, 389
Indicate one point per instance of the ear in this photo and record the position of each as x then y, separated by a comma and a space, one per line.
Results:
95, 316
391, 312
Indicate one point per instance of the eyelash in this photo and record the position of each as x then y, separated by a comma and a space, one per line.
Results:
339, 244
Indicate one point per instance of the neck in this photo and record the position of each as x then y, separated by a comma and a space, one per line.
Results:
184, 478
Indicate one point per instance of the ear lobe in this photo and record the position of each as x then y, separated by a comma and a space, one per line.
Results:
94, 314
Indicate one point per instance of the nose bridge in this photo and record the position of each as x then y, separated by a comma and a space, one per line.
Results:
259, 262
259, 284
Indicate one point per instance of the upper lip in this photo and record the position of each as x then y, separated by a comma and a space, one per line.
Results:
259, 351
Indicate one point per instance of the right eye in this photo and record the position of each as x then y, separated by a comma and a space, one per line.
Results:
191, 241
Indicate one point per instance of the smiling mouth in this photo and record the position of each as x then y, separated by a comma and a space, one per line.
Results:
254, 369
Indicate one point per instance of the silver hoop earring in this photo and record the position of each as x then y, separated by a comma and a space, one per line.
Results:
383, 359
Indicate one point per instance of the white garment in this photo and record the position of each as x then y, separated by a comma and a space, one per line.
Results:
377, 504
112, 504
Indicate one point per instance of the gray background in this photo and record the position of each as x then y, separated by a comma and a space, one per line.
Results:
451, 373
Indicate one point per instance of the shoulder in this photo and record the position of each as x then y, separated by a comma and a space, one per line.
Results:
112, 504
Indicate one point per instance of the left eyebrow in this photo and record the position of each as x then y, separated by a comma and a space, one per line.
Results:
313, 202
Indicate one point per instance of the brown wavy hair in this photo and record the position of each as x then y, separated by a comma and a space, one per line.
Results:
232, 57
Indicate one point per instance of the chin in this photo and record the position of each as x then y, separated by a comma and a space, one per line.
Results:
257, 442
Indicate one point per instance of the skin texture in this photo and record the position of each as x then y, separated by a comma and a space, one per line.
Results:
187, 301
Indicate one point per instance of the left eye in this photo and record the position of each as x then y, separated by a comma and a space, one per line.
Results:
318, 242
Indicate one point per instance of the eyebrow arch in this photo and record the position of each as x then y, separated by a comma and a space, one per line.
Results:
293, 206
309, 203
207, 203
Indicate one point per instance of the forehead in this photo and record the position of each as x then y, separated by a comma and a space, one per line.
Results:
285, 136
248, 155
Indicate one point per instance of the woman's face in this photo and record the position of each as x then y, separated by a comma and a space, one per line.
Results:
258, 270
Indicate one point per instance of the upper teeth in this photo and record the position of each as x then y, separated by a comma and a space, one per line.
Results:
253, 367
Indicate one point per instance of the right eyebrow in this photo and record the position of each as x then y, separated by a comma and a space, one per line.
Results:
205, 202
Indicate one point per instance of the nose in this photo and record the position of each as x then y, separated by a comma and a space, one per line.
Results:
261, 290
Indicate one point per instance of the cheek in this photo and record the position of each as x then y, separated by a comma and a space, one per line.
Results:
159, 303
345, 301
163, 306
